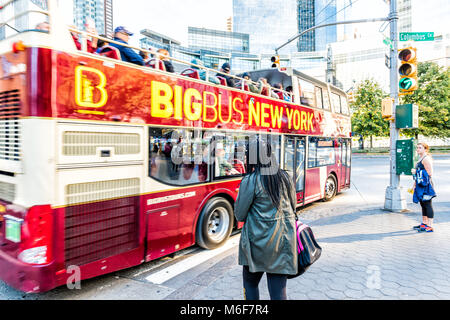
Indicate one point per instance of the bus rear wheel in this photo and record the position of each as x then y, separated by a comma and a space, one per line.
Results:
330, 188
214, 224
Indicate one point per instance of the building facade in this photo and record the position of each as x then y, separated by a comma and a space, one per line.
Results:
100, 12
217, 40
269, 23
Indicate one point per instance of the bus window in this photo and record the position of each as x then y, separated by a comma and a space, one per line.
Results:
344, 106
319, 103
336, 102
321, 152
307, 93
176, 156
230, 155
326, 100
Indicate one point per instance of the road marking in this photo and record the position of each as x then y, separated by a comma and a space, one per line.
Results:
191, 262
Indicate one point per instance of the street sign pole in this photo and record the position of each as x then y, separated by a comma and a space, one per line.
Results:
394, 198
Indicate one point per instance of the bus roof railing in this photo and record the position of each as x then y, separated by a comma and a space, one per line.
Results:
158, 56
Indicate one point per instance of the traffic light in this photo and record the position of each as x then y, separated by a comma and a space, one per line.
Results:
408, 70
275, 61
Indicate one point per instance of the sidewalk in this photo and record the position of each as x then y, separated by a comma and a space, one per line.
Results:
367, 254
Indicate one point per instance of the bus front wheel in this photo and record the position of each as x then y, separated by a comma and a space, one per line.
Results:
330, 188
214, 224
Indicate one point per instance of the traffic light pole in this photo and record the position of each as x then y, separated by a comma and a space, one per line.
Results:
394, 198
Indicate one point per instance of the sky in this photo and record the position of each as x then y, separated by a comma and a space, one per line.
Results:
171, 17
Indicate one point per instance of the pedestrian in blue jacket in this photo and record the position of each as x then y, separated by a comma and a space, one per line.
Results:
129, 55
423, 187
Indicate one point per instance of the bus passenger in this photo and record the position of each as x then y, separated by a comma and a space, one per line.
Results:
226, 69
101, 43
91, 46
202, 72
253, 88
129, 55
164, 57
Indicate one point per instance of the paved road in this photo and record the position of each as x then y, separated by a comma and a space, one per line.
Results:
367, 253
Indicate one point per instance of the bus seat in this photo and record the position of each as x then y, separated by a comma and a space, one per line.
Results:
244, 87
110, 52
280, 95
152, 64
265, 91
239, 166
191, 73
222, 80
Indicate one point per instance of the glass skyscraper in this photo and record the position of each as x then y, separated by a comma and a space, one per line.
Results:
217, 40
269, 23
272, 23
99, 11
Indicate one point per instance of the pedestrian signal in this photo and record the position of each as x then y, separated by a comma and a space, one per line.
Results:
275, 61
408, 70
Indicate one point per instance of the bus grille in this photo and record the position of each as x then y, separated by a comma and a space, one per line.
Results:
87, 143
9, 125
7, 191
101, 229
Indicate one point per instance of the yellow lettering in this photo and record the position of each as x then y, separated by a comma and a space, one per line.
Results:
253, 112
289, 115
310, 122
296, 119
178, 102
238, 111
229, 110
277, 116
192, 109
84, 91
162, 95
206, 106
264, 115
304, 125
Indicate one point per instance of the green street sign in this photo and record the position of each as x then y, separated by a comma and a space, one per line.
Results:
416, 36
388, 42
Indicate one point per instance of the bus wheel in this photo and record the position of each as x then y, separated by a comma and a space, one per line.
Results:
330, 188
214, 224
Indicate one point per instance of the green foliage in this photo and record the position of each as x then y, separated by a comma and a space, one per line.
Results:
433, 99
366, 110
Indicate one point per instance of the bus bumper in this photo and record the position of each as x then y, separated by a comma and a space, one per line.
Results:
24, 277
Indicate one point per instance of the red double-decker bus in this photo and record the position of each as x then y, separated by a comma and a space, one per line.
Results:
106, 165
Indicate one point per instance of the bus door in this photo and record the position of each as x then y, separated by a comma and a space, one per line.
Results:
343, 162
294, 163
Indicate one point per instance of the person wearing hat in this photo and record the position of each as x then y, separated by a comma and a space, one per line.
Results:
226, 69
129, 55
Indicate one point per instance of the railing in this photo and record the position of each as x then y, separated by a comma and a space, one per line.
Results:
159, 57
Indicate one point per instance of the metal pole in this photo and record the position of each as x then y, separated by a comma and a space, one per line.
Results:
327, 25
395, 200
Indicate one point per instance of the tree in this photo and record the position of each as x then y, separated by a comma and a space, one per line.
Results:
433, 99
366, 111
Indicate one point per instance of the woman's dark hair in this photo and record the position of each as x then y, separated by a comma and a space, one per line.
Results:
274, 180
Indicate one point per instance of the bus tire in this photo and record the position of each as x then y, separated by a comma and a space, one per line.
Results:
215, 223
330, 188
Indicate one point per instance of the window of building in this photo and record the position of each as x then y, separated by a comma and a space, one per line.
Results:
321, 152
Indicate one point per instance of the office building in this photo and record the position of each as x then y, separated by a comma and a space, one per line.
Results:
268, 23
217, 40
98, 11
